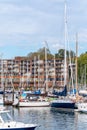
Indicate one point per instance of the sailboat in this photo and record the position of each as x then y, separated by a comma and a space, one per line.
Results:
33, 100
64, 102
82, 104
83, 91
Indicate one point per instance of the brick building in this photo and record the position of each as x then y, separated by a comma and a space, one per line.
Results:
31, 74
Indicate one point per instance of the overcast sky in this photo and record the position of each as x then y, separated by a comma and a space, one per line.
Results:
26, 24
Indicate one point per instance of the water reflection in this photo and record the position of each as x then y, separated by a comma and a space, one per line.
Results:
51, 119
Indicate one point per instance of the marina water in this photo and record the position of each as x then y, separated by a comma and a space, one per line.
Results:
50, 118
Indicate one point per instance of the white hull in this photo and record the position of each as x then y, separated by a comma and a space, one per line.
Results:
16, 126
34, 104
15, 103
82, 107
1, 100
7, 123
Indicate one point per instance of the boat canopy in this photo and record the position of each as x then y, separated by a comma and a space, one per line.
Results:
61, 93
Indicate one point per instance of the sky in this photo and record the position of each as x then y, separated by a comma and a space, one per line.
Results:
25, 25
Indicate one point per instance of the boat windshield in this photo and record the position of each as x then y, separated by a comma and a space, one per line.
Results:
5, 117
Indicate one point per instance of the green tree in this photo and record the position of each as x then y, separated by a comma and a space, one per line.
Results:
41, 52
82, 62
61, 53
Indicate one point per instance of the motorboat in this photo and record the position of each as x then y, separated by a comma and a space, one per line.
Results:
82, 107
7, 123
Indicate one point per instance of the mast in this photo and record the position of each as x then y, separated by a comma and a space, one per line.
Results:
85, 75
23, 80
65, 69
76, 62
46, 71
27, 74
2, 80
38, 72
54, 72
34, 72
2, 75
12, 81
20, 84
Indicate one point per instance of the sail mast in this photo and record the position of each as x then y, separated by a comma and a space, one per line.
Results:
65, 69
38, 72
46, 71
34, 72
76, 61
85, 75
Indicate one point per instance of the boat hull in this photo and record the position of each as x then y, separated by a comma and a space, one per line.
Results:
7, 123
70, 105
34, 104
82, 107
17, 128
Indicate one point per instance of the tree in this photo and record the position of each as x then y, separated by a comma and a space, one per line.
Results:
82, 62
61, 53
41, 52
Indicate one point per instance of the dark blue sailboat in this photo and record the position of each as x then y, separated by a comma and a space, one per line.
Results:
61, 93
63, 101
63, 104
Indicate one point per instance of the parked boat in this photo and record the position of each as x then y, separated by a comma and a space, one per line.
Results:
34, 102
7, 123
82, 107
83, 93
65, 102
1, 99
16, 101
62, 103
82, 104
63, 92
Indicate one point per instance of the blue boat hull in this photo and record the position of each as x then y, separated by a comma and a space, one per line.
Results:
63, 105
32, 128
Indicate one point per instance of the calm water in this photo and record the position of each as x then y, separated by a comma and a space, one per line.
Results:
50, 119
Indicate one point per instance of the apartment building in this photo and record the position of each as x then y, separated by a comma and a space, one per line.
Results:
31, 74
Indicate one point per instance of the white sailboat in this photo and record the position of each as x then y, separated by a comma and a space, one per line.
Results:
38, 103
64, 102
81, 103
82, 106
2, 85
33, 101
